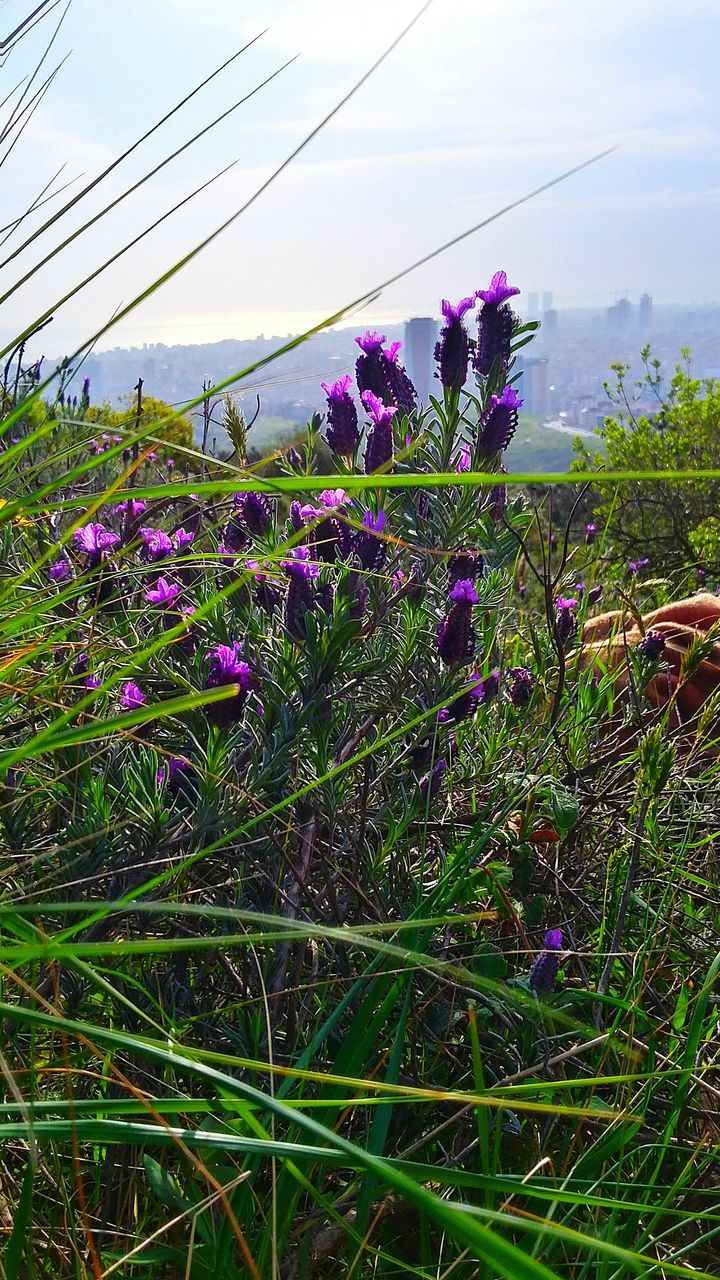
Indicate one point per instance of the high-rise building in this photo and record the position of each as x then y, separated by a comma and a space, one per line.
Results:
549, 327
533, 386
645, 318
533, 311
619, 317
547, 302
420, 337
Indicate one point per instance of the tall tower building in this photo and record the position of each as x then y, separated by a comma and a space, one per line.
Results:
549, 328
533, 386
645, 317
420, 337
547, 302
619, 317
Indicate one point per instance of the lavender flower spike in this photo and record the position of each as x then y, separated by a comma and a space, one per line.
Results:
299, 598
652, 645
94, 539
379, 447
399, 385
499, 421
227, 667
369, 549
495, 325
456, 634
565, 618
544, 969
342, 434
452, 349
60, 571
521, 686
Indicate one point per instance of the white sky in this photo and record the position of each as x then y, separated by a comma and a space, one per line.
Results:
484, 100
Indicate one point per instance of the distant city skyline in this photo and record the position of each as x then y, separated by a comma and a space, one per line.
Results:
477, 106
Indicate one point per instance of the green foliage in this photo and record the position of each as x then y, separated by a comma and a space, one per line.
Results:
673, 524
172, 426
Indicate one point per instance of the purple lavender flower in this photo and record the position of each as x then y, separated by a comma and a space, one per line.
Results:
499, 421
553, 542
85, 395
131, 696
498, 292
171, 772
379, 371
595, 593
636, 565
299, 597
235, 534
228, 667
379, 446
367, 546
544, 969
163, 594
652, 645
182, 539
580, 589
465, 565
521, 685
60, 571
399, 385
93, 682
495, 325
491, 686
498, 502
132, 506
430, 784
94, 540
452, 349
80, 665
462, 461
456, 634
565, 619
342, 434
467, 703
590, 532
255, 512
156, 545
521, 590
170, 464
333, 499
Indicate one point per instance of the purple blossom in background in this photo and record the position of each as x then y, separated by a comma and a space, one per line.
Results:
171, 772
400, 387
379, 445
499, 421
491, 685
580, 589
131, 696
521, 590
495, 325
595, 593
235, 534
164, 593
132, 506
182, 539
456, 634
590, 532
565, 619
544, 969
156, 545
60, 571
342, 434
466, 564
93, 682
553, 542
94, 540
652, 645
170, 464
370, 549
452, 350
430, 784
462, 461
467, 703
299, 596
521, 683
498, 502
636, 565
255, 512
80, 665
227, 666
85, 395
